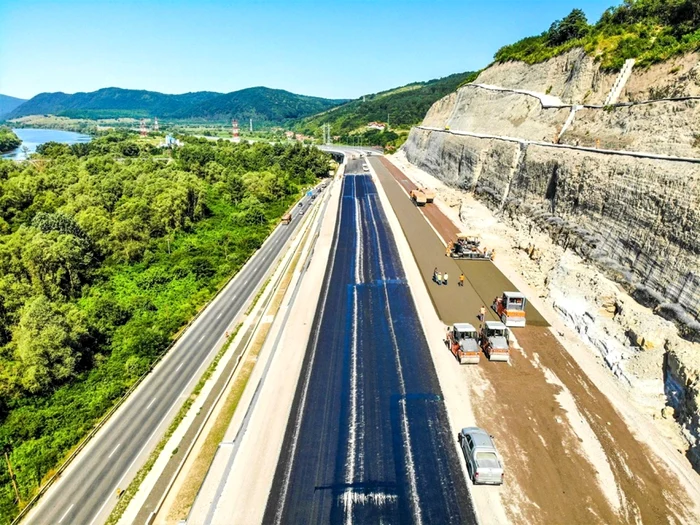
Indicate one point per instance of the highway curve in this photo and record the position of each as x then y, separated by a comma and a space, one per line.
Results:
368, 440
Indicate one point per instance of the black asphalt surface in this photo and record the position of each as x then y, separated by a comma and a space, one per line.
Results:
87, 491
368, 440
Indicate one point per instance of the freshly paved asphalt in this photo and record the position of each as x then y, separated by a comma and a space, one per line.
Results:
368, 440
86, 492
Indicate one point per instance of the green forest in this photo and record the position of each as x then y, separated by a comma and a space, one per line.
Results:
8, 140
403, 107
106, 250
649, 31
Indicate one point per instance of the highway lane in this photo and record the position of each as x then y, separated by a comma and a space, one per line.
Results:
86, 492
368, 439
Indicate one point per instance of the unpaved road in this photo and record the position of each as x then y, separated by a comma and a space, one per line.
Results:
569, 455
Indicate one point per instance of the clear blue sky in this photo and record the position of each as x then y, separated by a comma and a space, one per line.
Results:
335, 49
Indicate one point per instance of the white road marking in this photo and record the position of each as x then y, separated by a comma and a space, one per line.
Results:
408, 452
115, 449
218, 316
66, 513
149, 404
179, 366
200, 339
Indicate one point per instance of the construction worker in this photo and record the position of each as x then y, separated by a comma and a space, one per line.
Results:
444, 279
493, 254
435, 271
482, 314
448, 249
461, 279
439, 278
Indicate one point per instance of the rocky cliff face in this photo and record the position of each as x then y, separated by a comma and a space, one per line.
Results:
637, 218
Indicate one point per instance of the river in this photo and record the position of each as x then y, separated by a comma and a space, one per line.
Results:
31, 138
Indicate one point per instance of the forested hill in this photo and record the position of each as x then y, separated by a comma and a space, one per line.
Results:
8, 103
647, 30
260, 103
403, 107
110, 103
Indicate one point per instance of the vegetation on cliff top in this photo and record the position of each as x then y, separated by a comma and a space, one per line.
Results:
8, 140
403, 107
106, 250
649, 31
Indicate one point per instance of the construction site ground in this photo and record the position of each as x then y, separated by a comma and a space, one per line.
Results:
570, 456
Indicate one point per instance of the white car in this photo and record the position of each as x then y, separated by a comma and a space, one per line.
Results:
365, 167
483, 461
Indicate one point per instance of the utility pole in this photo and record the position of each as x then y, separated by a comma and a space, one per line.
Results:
387, 121
251, 125
6, 449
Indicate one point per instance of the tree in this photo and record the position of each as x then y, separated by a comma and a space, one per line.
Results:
573, 26
48, 343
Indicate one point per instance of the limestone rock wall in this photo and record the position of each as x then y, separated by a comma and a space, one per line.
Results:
637, 218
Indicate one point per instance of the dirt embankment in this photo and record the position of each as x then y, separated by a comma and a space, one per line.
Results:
571, 457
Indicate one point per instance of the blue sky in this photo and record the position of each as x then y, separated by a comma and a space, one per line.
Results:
335, 49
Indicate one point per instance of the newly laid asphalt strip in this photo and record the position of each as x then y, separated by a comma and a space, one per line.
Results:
368, 439
454, 304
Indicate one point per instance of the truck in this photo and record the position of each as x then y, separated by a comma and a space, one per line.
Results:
418, 197
494, 341
510, 308
462, 341
286, 218
429, 194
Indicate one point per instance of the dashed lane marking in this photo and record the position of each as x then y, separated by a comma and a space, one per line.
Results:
115, 449
66, 513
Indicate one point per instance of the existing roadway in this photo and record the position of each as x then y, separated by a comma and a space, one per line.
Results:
87, 490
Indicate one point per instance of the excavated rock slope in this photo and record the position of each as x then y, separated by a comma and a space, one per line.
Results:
637, 218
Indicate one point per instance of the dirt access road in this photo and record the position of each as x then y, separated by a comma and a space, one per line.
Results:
570, 456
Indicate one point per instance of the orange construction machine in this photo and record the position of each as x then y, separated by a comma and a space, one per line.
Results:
494, 341
468, 246
510, 308
462, 340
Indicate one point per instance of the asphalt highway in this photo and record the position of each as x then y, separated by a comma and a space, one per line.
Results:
86, 492
368, 440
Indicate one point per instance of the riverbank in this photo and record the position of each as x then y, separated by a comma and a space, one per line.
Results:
28, 139
8, 140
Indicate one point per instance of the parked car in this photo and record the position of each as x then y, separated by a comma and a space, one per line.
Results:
483, 461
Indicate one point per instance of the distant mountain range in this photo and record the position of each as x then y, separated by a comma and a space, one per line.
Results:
7, 104
262, 104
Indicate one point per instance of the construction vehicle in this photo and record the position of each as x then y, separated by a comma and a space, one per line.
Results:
429, 194
468, 246
494, 341
462, 340
286, 218
510, 308
418, 197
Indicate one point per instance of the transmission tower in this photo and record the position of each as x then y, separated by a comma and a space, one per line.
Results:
236, 132
251, 125
142, 128
155, 124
